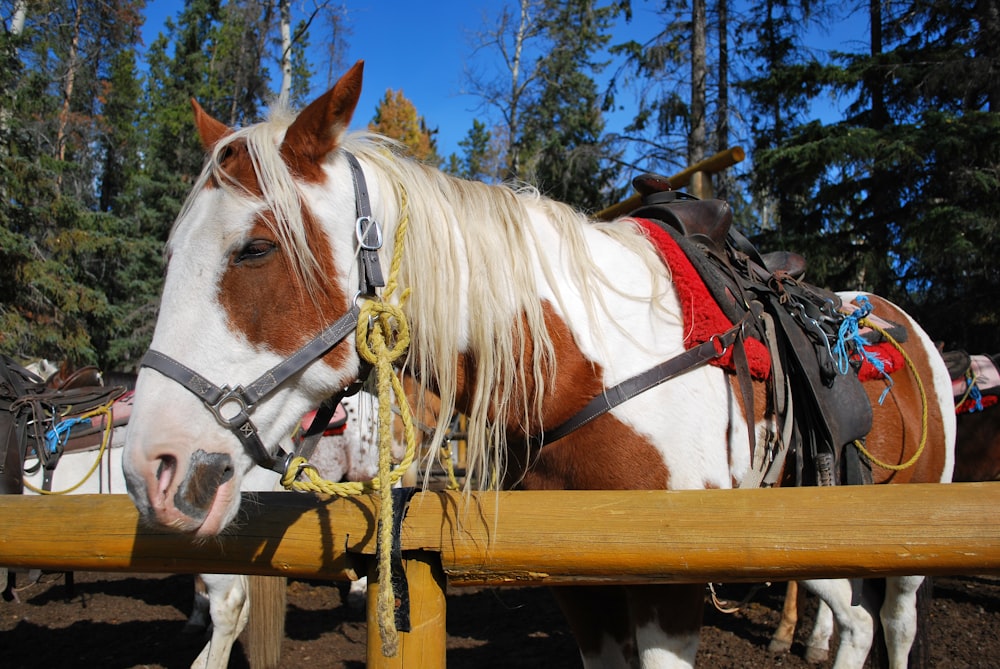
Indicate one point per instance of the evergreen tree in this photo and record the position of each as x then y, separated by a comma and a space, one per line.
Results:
476, 162
561, 146
901, 196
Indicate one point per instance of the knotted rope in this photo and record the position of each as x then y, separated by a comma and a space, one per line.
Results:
383, 335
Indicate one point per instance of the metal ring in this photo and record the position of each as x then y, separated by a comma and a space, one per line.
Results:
364, 225
228, 395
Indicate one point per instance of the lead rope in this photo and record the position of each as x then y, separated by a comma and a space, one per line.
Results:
383, 335
923, 403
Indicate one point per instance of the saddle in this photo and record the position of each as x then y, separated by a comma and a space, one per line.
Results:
821, 410
36, 417
975, 380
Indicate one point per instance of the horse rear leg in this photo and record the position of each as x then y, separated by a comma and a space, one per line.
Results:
599, 618
667, 621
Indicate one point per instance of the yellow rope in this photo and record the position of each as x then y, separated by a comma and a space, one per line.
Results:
923, 401
105, 441
448, 464
383, 336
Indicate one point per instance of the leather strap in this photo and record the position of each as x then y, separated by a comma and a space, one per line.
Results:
690, 359
368, 232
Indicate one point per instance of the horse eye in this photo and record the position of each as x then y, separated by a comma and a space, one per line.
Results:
255, 249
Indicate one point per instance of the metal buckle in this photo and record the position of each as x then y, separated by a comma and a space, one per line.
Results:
231, 395
366, 224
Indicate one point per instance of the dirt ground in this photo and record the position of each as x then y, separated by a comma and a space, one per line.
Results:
133, 621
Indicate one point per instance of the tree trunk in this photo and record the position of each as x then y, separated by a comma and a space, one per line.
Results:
68, 88
285, 11
699, 70
722, 101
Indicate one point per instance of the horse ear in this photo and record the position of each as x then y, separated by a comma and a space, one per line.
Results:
316, 131
209, 129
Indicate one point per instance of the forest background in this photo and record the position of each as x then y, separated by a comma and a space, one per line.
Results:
895, 190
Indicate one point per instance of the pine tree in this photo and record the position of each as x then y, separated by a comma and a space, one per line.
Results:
900, 197
561, 146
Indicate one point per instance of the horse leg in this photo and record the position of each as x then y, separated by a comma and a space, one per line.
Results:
855, 622
599, 618
200, 619
818, 643
230, 609
899, 617
784, 635
357, 594
667, 622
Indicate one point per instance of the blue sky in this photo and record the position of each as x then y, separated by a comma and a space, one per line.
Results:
424, 49
418, 47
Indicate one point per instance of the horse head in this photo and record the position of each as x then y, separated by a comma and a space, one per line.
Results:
258, 300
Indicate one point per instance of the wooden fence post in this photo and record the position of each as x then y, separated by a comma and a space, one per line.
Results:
425, 644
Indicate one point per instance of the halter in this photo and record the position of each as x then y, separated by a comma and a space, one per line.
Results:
222, 401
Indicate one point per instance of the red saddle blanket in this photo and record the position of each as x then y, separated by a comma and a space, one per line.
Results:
704, 318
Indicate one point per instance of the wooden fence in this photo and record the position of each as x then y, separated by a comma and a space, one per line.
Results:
537, 538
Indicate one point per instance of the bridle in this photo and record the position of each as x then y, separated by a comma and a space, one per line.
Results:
232, 406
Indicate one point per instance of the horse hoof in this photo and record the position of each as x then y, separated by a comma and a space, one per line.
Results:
817, 655
779, 646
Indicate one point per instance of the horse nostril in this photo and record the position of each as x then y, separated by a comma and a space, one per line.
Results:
165, 473
206, 473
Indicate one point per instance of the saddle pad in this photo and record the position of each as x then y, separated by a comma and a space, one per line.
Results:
703, 316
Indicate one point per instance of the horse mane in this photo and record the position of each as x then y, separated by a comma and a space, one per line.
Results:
504, 335
498, 237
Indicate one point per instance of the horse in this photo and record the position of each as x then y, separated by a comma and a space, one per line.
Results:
976, 390
514, 309
90, 463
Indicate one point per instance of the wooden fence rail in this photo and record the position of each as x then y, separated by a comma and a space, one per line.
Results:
550, 538
547, 538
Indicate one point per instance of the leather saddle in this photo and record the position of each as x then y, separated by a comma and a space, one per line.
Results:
797, 321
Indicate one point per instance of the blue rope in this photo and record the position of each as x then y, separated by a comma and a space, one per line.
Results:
850, 344
57, 436
974, 394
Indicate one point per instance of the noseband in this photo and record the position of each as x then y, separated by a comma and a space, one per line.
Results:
232, 406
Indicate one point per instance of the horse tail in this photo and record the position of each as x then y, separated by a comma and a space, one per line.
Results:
265, 630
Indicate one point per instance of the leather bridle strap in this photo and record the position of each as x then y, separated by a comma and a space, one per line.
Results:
711, 349
222, 401
232, 406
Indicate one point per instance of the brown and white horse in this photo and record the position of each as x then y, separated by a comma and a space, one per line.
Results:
521, 311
